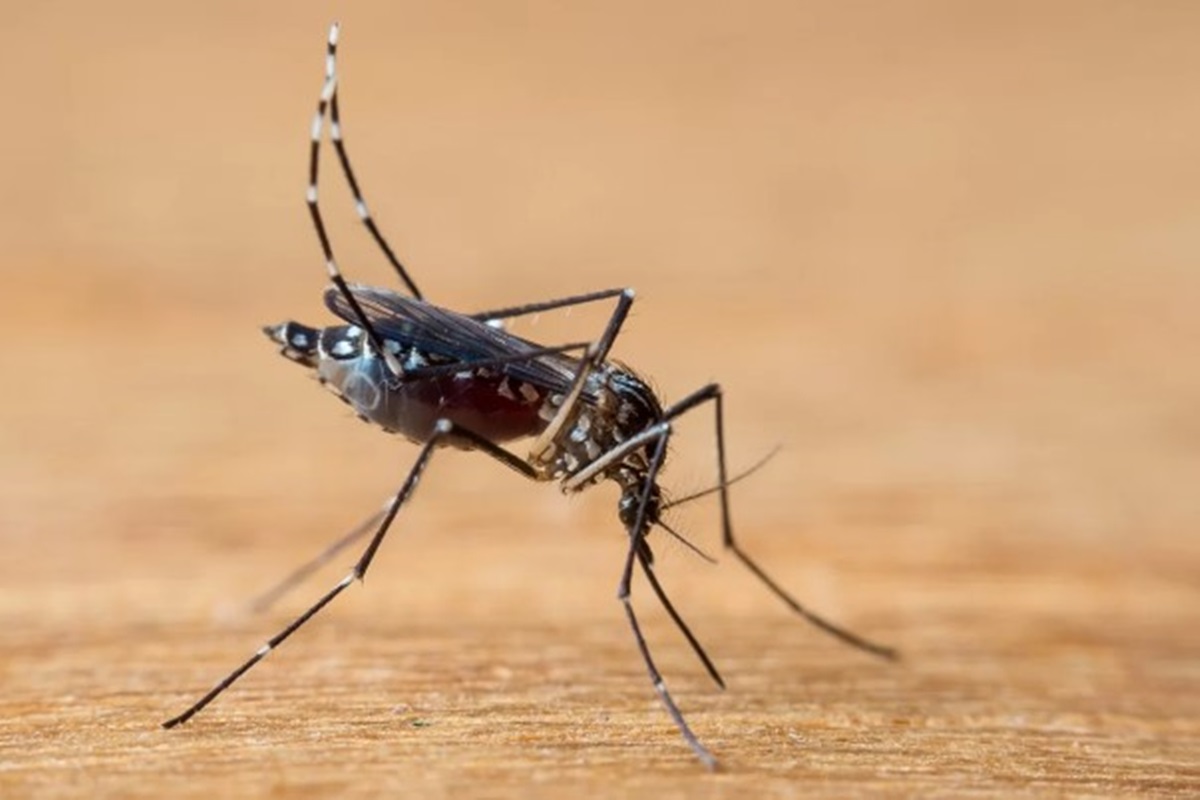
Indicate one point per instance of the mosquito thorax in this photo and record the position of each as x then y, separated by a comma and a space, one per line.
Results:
623, 406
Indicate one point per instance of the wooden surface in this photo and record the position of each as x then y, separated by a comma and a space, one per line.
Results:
947, 255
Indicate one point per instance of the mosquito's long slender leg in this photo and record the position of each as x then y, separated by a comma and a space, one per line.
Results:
297, 576
328, 89
712, 393
660, 687
624, 594
609, 337
641, 527
693, 642
657, 435
546, 440
547, 305
443, 430
360, 203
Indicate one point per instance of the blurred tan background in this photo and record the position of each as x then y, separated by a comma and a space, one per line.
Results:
946, 254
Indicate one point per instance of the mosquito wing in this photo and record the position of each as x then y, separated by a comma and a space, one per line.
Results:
440, 332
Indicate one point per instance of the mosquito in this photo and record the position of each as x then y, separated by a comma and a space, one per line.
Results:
442, 378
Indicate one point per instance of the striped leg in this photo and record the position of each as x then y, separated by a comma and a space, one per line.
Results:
444, 432
360, 203
328, 90
637, 552
712, 393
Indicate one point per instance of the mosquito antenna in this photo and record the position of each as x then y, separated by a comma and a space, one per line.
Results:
762, 462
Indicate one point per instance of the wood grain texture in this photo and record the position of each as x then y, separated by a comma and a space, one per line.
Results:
946, 254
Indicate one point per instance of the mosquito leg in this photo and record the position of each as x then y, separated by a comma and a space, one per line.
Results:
697, 648
443, 431
638, 533
636, 536
357, 573
328, 91
360, 203
364, 214
712, 393
609, 337
661, 688
547, 305
268, 598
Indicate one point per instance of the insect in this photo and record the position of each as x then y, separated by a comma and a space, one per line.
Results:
442, 378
